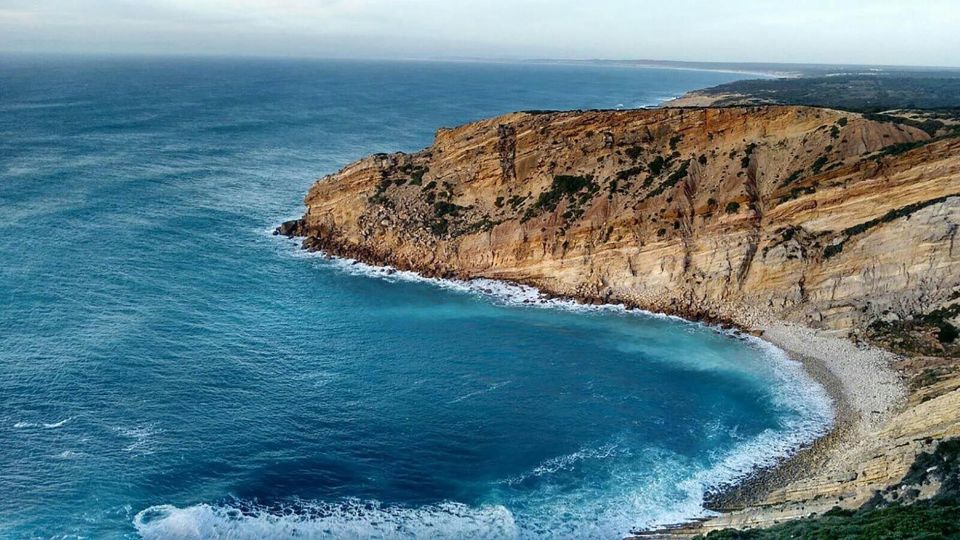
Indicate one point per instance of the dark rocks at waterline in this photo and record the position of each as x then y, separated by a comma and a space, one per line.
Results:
291, 228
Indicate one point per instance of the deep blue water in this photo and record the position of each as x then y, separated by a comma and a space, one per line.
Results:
170, 369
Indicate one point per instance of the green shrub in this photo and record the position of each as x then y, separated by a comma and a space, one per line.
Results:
416, 174
892, 215
948, 333
445, 208
516, 202
797, 192
563, 186
674, 141
656, 166
671, 180
818, 164
917, 521
899, 148
629, 173
794, 176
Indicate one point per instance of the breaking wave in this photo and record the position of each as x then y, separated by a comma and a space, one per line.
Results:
44, 425
350, 519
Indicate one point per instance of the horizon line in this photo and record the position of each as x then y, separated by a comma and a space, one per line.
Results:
627, 62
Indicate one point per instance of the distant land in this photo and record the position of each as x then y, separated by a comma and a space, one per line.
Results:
777, 69
856, 92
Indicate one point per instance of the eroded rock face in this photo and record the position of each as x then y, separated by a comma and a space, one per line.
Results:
802, 214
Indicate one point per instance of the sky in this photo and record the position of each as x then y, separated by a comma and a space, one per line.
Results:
890, 32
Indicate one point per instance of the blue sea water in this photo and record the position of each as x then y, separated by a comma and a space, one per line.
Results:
168, 369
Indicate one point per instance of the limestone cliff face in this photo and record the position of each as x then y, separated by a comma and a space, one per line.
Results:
803, 214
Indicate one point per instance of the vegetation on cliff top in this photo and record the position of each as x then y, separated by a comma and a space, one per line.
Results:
885, 516
862, 93
921, 520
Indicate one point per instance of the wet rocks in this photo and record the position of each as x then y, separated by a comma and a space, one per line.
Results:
290, 229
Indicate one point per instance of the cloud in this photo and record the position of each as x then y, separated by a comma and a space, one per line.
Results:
849, 31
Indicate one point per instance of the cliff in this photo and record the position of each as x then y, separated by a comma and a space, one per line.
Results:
764, 216
801, 214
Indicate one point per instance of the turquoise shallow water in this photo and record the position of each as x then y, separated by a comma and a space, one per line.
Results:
170, 369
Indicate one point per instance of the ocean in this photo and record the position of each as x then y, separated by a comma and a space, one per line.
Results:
170, 369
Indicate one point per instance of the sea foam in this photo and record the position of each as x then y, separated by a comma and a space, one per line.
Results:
44, 425
796, 389
350, 519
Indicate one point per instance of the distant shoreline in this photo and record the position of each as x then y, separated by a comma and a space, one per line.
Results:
679, 66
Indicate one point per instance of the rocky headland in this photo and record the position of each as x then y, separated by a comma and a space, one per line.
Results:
832, 234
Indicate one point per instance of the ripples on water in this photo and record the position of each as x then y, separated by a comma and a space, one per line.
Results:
170, 369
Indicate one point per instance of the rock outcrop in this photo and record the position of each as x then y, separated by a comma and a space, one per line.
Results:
801, 214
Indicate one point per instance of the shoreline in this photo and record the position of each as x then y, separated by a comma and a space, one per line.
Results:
848, 396
849, 422
763, 481
771, 74
753, 255
858, 379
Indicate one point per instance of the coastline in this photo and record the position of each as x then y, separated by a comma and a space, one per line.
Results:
782, 260
867, 393
675, 65
838, 365
831, 362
